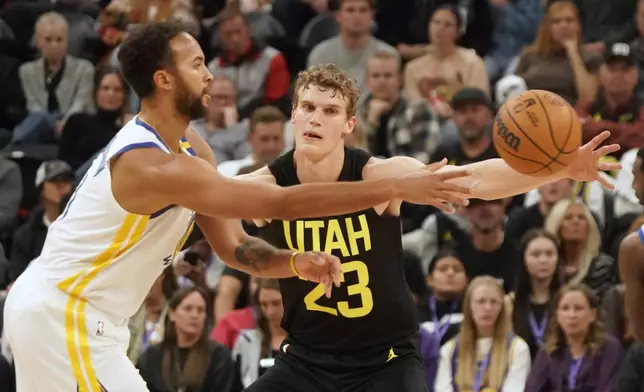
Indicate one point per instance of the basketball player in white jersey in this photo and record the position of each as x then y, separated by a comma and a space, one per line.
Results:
631, 258
66, 316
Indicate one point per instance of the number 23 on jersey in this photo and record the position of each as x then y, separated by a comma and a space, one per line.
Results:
342, 307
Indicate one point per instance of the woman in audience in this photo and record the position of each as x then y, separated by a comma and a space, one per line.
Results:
186, 360
580, 240
485, 356
146, 326
85, 134
557, 61
440, 311
256, 349
446, 67
539, 278
577, 355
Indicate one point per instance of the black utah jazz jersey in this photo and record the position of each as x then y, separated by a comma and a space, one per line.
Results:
373, 307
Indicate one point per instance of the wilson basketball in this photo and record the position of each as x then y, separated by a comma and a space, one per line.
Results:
537, 133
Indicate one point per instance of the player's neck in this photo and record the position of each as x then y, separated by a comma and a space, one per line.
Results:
187, 340
168, 123
327, 169
443, 51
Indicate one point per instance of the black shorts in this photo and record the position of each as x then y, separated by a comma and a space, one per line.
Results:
301, 370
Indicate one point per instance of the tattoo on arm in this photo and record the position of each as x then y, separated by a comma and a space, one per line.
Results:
254, 252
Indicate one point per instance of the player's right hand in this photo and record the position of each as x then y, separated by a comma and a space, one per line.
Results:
319, 267
429, 187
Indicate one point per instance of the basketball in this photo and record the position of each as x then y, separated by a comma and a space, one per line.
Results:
537, 133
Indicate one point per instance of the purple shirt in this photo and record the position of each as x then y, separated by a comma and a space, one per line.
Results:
596, 372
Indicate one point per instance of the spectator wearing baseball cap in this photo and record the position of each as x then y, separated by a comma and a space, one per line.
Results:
54, 182
473, 117
617, 107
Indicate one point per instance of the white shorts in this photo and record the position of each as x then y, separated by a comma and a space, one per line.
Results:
60, 343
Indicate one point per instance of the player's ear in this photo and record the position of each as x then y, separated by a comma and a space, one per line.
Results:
163, 80
293, 115
351, 124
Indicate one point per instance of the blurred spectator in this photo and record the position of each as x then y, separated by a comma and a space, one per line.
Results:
617, 108
440, 311
322, 27
580, 240
577, 355
523, 219
231, 323
56, 86
84, 135
12, 100
630, 377
186, 360
395, 125
260, 72
508, 87
11, 191
473, 117
233, 292
606, 22
516, 25
615, 316
539, 277
147, 325
355, 44
447, 67
256, 349
221, 128
266, 138
486, 340
557, 61
54, 181
637, 46
436, 231
487, 251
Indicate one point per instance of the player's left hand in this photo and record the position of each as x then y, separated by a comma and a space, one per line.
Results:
320, 267
586, 165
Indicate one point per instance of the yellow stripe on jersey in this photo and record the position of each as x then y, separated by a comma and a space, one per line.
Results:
127, 235
184, 145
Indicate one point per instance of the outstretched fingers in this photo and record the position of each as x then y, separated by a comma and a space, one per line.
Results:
597, 140
605, 150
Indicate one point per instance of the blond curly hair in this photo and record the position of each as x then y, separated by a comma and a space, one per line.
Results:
328, 77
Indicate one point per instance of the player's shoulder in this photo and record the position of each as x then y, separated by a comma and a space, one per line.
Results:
633, 241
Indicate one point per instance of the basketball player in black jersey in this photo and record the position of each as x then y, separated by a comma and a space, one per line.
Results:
363, 338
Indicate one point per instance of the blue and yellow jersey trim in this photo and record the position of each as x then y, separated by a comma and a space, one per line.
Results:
128, 234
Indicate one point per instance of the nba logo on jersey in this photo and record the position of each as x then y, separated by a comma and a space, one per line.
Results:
99, 328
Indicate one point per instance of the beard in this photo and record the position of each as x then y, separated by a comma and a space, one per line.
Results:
188, 104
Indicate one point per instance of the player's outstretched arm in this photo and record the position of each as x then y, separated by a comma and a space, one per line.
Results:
146, 180
631, 269
259, 258
494, 179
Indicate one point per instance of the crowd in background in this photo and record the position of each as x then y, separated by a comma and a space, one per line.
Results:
528, 286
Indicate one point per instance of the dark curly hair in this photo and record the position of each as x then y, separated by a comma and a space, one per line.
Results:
145, 51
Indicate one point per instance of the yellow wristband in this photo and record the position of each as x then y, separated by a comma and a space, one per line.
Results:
292, 263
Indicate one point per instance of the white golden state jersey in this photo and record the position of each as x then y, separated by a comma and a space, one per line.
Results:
99, 252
